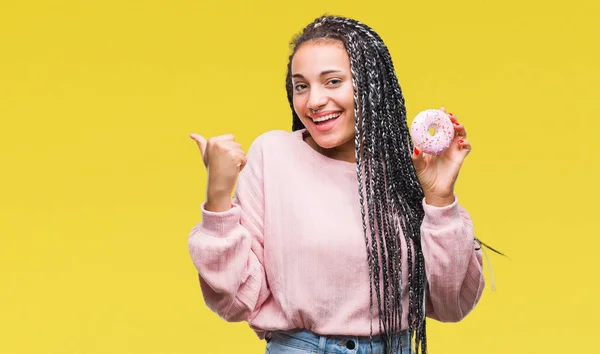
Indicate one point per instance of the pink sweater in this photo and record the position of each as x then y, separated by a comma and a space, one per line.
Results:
290, 253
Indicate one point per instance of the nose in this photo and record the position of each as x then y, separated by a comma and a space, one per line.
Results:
317, 99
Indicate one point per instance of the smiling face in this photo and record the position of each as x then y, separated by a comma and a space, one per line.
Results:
323, 96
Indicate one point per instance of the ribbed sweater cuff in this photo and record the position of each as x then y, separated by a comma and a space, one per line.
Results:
436, 217
220, 224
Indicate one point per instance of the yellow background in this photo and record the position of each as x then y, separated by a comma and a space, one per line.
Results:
100, 183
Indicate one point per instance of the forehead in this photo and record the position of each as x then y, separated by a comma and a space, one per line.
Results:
314, 57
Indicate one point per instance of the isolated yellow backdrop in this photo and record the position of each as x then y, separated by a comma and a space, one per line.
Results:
100, 184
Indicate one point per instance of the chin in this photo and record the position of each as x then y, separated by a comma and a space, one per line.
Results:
326, 142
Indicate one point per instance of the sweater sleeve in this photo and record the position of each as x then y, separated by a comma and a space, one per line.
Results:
227, 248
452, 262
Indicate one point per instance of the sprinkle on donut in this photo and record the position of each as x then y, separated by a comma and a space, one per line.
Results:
443, 131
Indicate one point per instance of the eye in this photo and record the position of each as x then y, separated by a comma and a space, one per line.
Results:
334, 82
299, 87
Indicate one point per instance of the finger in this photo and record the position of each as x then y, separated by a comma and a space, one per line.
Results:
224, 137
234, 145
219, 138
459, 131
201, 141
227, 144
465, 146
453, 118
239, 158
237, 152
418, 159
243, 162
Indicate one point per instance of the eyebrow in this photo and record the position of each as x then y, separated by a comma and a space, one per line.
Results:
323, 73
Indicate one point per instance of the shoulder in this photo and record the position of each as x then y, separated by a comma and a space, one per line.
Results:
276, 136
269, 151
274, 141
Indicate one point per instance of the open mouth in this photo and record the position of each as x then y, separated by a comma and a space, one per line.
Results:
327, 118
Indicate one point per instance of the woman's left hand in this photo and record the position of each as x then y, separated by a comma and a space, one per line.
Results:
438, 173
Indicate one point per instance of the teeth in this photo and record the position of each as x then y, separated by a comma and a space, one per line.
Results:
327, 117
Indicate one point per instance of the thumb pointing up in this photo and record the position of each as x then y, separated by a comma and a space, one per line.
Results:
201, 142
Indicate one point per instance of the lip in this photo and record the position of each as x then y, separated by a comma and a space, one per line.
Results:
322, 114
328, 125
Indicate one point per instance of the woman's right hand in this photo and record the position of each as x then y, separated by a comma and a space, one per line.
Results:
224, 159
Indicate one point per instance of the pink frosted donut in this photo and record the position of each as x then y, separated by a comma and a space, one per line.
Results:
442, 135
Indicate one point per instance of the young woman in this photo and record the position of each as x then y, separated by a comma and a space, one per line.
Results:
341, 236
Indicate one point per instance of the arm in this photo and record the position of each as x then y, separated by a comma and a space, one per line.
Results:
452, 263
227, 249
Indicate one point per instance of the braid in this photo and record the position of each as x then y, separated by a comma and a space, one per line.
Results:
386, 177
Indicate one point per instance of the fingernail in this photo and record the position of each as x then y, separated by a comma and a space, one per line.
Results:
456, 123
461, 141
416, 151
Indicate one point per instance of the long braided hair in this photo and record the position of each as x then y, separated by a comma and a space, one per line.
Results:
386, 174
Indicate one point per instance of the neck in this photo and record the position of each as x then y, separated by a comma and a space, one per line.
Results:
344, 152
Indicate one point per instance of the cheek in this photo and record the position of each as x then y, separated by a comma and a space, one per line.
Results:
299, 105
348, 98
349, 104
